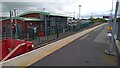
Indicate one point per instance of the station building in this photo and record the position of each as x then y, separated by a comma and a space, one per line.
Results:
34, 23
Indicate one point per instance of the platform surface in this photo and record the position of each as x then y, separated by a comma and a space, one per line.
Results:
87, 50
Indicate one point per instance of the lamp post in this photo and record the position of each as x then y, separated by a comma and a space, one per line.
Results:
15, 15
74, 14
111, 50
79, 11
111, 16
11, 20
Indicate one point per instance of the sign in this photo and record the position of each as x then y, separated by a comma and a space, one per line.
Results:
106, 16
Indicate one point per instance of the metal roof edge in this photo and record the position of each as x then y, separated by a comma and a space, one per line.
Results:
45, 13
28, 12
22, 18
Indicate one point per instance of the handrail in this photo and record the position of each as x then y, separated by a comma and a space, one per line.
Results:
14, 50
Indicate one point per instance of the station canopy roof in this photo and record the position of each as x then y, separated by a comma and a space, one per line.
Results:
36, 19
23, 19
46, 13
60, 15
41, 12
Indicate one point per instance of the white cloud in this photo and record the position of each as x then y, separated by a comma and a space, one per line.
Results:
90, 6
50, 1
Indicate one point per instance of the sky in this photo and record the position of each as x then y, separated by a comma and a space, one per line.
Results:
95, 8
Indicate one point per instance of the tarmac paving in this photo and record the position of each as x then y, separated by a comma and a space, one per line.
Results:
87, 50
